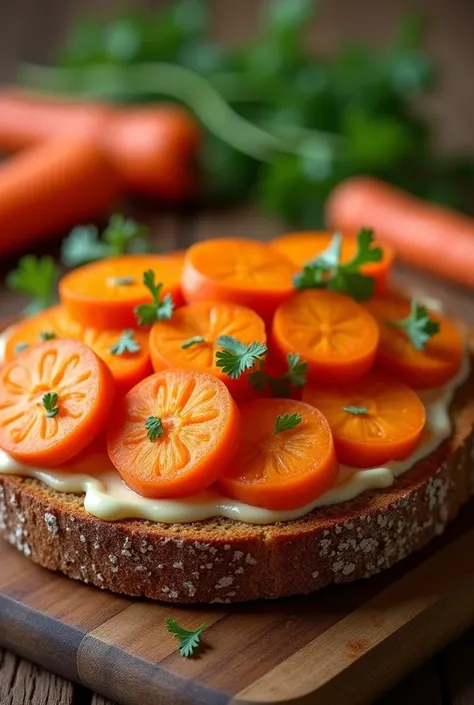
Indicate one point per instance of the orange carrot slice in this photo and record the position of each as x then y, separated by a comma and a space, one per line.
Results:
281, 470
245, 272
373, 419
189, 339
104, 294
302, 247
128, 363
54, 399
173, 433
436, 364
336, 336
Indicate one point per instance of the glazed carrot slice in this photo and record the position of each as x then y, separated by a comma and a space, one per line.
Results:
436, 364
285, 469
126, 353
54, 399
189, 339
302, 247
104, 294
373, 419
174, 433
336, 336
245, 272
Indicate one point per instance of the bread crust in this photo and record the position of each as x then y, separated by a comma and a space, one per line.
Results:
221, 560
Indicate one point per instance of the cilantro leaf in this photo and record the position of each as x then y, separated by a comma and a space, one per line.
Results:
47, 335
125, 344
36, 277
237, 357
82, 246
120, 232
50, 403
154, 428
327, 271
418, 326
355, 410
281, 386
189, 641
20, 347
195, 340
286, 422
297, 370
160, 309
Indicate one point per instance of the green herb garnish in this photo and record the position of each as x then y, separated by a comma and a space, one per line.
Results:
189, 641
160, 309
286, 422
192, 341
120, 281
47, 335
418, 326
327, 271
20, 347
121, 236
154, 428
281, 386
50, 403
125, 344
36, 277
356, 410
237, 357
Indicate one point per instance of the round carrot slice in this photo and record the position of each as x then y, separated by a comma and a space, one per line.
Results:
126, 353
189, 339
104, 294
336, 336
373, 419
245, 272
302, 247
54, 399
285, 469
173, 433
436, 364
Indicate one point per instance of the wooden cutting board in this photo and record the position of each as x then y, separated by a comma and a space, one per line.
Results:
345, 644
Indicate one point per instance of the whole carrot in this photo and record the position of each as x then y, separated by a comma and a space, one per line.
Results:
50, 187
425, 235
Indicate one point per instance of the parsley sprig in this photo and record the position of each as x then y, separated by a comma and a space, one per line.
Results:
189, 641
126, 344
47, 335
36, 277
281, 386
50, 403
160, 309
355, 410
328, 272
236, 357
418, 326
121, 236
154, 428
195, 340
286, 422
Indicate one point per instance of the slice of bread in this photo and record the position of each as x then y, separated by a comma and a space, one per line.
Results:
220, 560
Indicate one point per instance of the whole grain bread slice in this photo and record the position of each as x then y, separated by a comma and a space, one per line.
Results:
221, 560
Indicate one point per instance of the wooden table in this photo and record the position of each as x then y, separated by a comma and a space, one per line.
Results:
31, 29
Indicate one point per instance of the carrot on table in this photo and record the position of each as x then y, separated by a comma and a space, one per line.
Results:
303, 247
373, 419
125, 352
421, 363
191, 339
54, 400
245, 272
105, 294
423, 234
334, 334
286, 456
174, 433
50, 187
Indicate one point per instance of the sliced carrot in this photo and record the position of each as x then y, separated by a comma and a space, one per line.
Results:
245, 272
189, 339
54, 399
285, 470
336, 336
436, 364
302, 247
174, 433
373, 419
104, 294
127, 368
